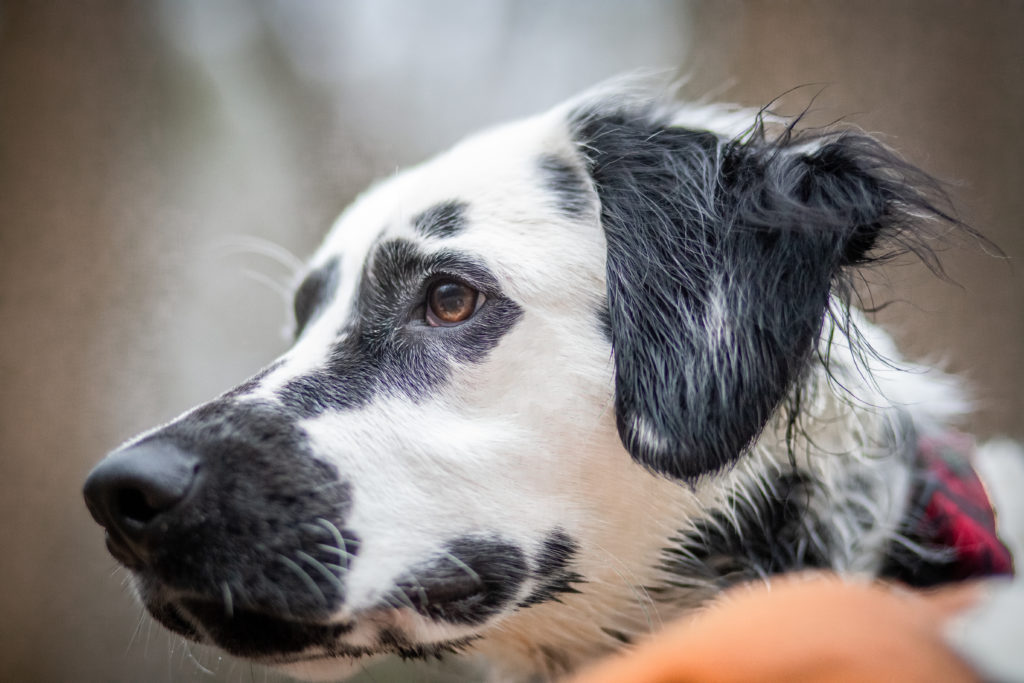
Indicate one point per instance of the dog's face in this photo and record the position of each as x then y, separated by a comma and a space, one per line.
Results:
499, 356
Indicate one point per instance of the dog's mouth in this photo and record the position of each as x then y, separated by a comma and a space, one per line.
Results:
249, 633
275, 639
435, 607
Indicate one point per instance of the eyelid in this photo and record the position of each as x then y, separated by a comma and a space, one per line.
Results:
462, 268
484, 288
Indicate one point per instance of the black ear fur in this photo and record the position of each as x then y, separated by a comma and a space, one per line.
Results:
721, 259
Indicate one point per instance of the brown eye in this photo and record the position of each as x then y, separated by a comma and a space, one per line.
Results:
450, 303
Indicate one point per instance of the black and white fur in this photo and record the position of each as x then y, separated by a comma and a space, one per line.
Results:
664, 392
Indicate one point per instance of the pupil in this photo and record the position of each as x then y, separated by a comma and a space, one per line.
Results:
451, 300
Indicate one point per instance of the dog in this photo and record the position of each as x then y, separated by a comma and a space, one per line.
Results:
562, 383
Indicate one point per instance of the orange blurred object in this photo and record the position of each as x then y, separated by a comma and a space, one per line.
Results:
802, 629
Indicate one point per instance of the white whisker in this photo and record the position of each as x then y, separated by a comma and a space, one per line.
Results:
252, 244
229, 605
643, 599
305, 578
278, 288
321, 568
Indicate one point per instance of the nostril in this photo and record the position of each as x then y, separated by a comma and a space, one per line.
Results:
132, 506
131, 487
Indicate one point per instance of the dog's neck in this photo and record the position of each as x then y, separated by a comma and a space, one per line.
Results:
766, 515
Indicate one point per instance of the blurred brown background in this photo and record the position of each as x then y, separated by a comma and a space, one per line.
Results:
150, 152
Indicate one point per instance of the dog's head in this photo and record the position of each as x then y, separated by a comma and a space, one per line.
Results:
506, 362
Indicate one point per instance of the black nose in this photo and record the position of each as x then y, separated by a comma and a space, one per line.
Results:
129, 491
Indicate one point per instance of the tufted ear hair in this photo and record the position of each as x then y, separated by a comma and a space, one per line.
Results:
722, 255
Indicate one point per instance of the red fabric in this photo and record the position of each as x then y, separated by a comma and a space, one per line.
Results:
957, 512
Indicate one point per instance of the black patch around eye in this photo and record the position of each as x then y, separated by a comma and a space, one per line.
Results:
566, 183
316, 290
386, 347
441, 220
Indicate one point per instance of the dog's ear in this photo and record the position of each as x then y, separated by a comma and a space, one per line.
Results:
721, 259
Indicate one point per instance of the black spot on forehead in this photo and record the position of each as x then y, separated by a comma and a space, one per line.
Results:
386, 347
315, 291
441, 220
566, 183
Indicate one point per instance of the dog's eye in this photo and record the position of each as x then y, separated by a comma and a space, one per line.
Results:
450, 303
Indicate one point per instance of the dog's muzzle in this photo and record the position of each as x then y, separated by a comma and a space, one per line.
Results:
234, 531
236, 534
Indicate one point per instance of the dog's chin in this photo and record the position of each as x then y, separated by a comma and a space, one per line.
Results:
322, 668
305, 649
252, 634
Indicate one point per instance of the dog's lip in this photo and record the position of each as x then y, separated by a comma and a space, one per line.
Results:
319, 656
121, 551
275, 639
258, 634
